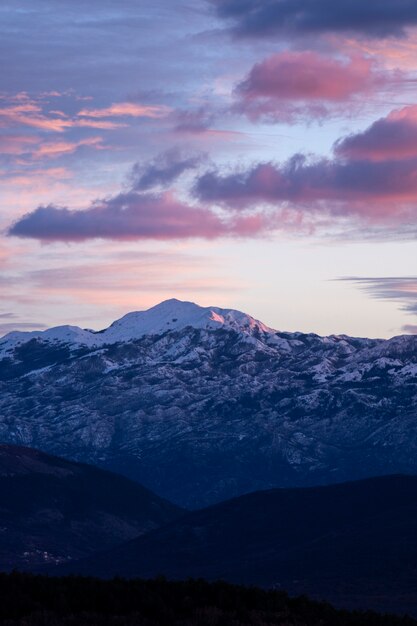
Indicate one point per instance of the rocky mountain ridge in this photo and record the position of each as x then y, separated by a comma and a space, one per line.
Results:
201, 404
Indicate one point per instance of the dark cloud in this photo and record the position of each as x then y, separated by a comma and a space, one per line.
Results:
126, 216
339, 187
131, 216
371, 175
163, 170
394, 136
374, 18
194, 121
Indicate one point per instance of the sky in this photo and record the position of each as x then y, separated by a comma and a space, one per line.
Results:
249, 154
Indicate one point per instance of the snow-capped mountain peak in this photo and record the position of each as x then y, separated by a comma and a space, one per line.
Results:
175, 314
170, 315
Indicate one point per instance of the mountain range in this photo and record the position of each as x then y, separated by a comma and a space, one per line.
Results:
201, 404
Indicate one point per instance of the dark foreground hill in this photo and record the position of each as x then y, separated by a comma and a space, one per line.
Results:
354, 544
52, 510
41, 601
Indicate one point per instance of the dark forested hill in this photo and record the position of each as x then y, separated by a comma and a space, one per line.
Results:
354, 544
40, 601
52, 510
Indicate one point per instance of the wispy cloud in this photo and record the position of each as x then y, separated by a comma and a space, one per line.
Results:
399, 289
164, 169
127, 109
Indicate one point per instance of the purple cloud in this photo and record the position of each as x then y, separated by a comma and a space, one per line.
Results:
193, 121
394, 136
131, 216
337, 187
375, 18
163, 170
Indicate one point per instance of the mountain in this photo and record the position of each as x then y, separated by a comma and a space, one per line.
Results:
171, 315
52, 510
354, 544
201, 404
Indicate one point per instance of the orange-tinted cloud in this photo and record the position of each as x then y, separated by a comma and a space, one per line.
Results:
53, 149
127, 109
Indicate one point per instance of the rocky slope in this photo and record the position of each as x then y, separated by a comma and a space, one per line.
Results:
201, 404
53, 511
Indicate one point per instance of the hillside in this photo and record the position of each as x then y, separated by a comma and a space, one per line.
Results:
53, 511
353, 544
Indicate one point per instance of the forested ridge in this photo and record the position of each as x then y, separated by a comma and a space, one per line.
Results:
31, 600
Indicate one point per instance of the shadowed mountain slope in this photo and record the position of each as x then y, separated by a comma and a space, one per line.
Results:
354, 544
52, 510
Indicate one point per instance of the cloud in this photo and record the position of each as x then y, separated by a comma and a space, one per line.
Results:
358, 193
17, 144
375, 18
371, 176
401, 289
394, 136
163, 170
53, 149
31, 114
127, 109
131, 216
290, 85
373, 190
22, 110
193, 121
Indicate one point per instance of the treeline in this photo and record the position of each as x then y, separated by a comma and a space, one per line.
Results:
29, 600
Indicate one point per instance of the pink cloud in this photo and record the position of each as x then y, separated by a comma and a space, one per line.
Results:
31, 114
128, 109
17, 144
131, 216
289, 85
21, 110
53, 149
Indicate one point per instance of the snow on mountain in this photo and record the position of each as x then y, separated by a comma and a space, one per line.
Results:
200, 404
167, 316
